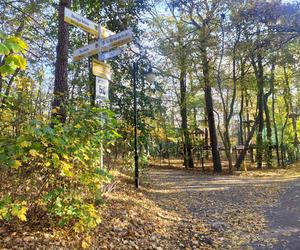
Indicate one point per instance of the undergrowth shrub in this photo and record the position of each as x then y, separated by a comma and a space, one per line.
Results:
55, 169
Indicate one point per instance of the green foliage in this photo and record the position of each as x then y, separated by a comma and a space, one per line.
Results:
66, 157
12, 48
10, 209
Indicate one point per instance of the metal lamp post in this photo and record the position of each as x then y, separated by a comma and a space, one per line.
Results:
149, 77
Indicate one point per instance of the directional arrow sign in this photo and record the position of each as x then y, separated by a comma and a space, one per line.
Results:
106, 45
85, 24
101, 69
86, 51
107, 55
116, 40
101, 89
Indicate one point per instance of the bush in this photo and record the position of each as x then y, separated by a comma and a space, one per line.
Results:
58, 167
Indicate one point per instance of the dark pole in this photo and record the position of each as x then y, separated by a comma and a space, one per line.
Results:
136, 156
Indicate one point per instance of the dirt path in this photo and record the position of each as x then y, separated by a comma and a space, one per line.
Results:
284, 220
240, 212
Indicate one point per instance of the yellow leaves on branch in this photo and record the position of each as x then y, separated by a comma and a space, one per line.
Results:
20, 212
87, 241
65, 169
17, 209
33, 153
16, 164
25, 144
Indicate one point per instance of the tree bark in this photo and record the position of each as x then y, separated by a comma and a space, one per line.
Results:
259, 74
247, 143
187, 147
210, 113
268, 120
60, 92
275, 129
269, 133
241, 130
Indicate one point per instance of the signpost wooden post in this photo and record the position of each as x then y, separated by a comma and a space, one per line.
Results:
85, 24
107, 40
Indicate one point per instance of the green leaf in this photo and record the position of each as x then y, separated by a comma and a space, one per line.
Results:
55, 159
16, 59
18, 41
2, 35
13, 46
7, 69
4, 50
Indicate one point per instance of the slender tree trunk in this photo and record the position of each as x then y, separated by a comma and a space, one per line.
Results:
187, 147
61, 67
269, 134
259, 73
210, 113
275, 128
241, 156
268, 120
260, 102
8, 87
287, 101
241, 130
296, 140
248, 126
273, 117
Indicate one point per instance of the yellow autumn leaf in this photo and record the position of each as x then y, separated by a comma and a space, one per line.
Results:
86, 242
33, 152
47, 164
22, 214
55, 159
77, 126
16, 164
25, 144
65, 156
65, 169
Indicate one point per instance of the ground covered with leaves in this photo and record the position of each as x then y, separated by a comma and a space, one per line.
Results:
174, 209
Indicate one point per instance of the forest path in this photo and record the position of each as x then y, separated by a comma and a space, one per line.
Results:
241, 212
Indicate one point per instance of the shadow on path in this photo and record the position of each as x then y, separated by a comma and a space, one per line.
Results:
236, 208
284, 220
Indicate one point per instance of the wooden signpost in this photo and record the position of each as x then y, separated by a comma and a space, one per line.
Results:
101, 69
107, 40
85, 24
86, 51
110, 54
107, 47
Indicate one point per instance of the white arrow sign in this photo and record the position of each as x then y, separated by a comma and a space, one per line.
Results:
107, 44
107, 55
86, 51
101, 89
116, 40
85, 24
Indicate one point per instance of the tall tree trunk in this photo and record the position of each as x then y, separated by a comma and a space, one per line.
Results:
296, 140
260, 102
210, 113
241, 156
248, 126
269, 133
287, 99
241, 129
275, 128
187, 147
60, 93
268, 120
259, 73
